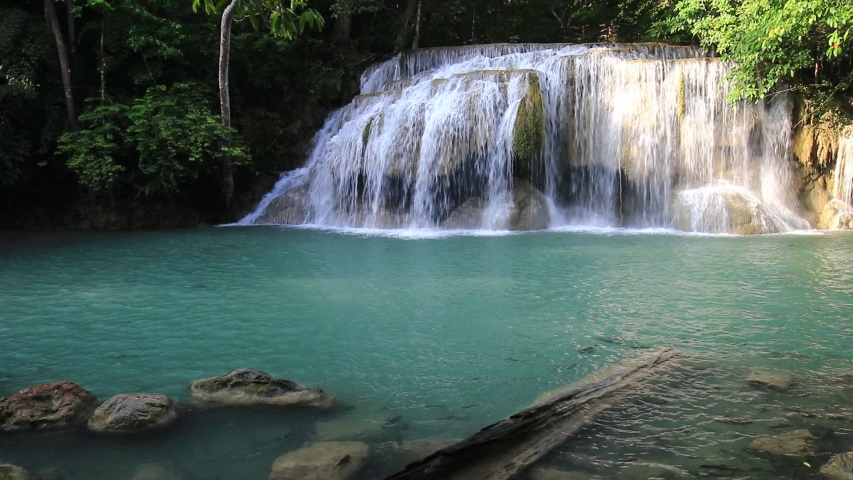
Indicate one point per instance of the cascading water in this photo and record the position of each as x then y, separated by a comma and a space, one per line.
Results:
526, 137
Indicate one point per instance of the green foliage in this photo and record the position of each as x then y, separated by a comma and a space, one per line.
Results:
176, 136
94, 151
530, 122
170, 135
286, 21
772, 41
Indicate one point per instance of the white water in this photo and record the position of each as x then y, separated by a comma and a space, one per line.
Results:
637, 136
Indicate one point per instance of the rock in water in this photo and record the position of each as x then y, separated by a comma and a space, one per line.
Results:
133, 412
49, 406
252, 387
774, 381
799, 443
321, 461
839, 467
12, 472
530, 208
152, 471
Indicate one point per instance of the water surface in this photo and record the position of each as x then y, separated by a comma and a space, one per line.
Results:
424, 337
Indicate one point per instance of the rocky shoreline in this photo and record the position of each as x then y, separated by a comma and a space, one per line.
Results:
336, 450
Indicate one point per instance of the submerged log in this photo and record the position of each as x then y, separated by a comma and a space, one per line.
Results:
504, 449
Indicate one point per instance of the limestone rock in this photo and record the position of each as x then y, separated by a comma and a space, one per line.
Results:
12, 472
289, 209
49, 406
839, 467
799, 443
253, 387
467, 216
412, 450
530, 208
133, 412
321, 461
842, 221
528, 211
152, 471
771, 380
724, 209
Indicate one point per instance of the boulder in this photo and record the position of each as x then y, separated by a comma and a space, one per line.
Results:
839, 467
152, 471
133, 412
799, 443
412, 450
292, 208
321, 461
49, 406
12, 472
725, 208
468, 216
530, 208
253, 387
528, 211
771, 380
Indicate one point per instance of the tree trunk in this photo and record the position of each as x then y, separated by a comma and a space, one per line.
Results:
103, 68
407, 19
417, 27
224, 97
343, 22
64, 63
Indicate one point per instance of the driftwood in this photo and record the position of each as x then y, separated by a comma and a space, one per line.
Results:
504, 449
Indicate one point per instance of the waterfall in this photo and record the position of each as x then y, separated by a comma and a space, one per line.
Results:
522, 137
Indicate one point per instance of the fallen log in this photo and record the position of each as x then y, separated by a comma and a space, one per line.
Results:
504, 449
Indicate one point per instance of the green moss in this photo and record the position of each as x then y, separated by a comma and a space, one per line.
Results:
680, 105
259, 388
365, 134
530, 122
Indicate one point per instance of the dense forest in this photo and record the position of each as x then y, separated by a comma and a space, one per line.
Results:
158, 113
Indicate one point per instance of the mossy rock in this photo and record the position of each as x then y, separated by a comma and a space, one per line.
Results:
252, 387
57, 405
839, 467
529, 132
133, 412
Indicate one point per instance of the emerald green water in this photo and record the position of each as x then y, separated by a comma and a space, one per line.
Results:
424, 337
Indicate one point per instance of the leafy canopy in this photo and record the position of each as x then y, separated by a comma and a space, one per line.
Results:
771, 41
284, 21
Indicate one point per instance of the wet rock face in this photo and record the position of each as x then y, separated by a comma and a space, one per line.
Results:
799, 443
771, 380
252, 387
133, 412
321, 461
839, 467
49, 406
529, 211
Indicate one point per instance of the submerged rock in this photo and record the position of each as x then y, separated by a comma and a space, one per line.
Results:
152, 471
49, 406
412, 450
321, 461
252, 387
133, 412
771, 380
799, 443
554, 474
839, 467
12, 472
349, 428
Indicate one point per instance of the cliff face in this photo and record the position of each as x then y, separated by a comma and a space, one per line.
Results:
825, 164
